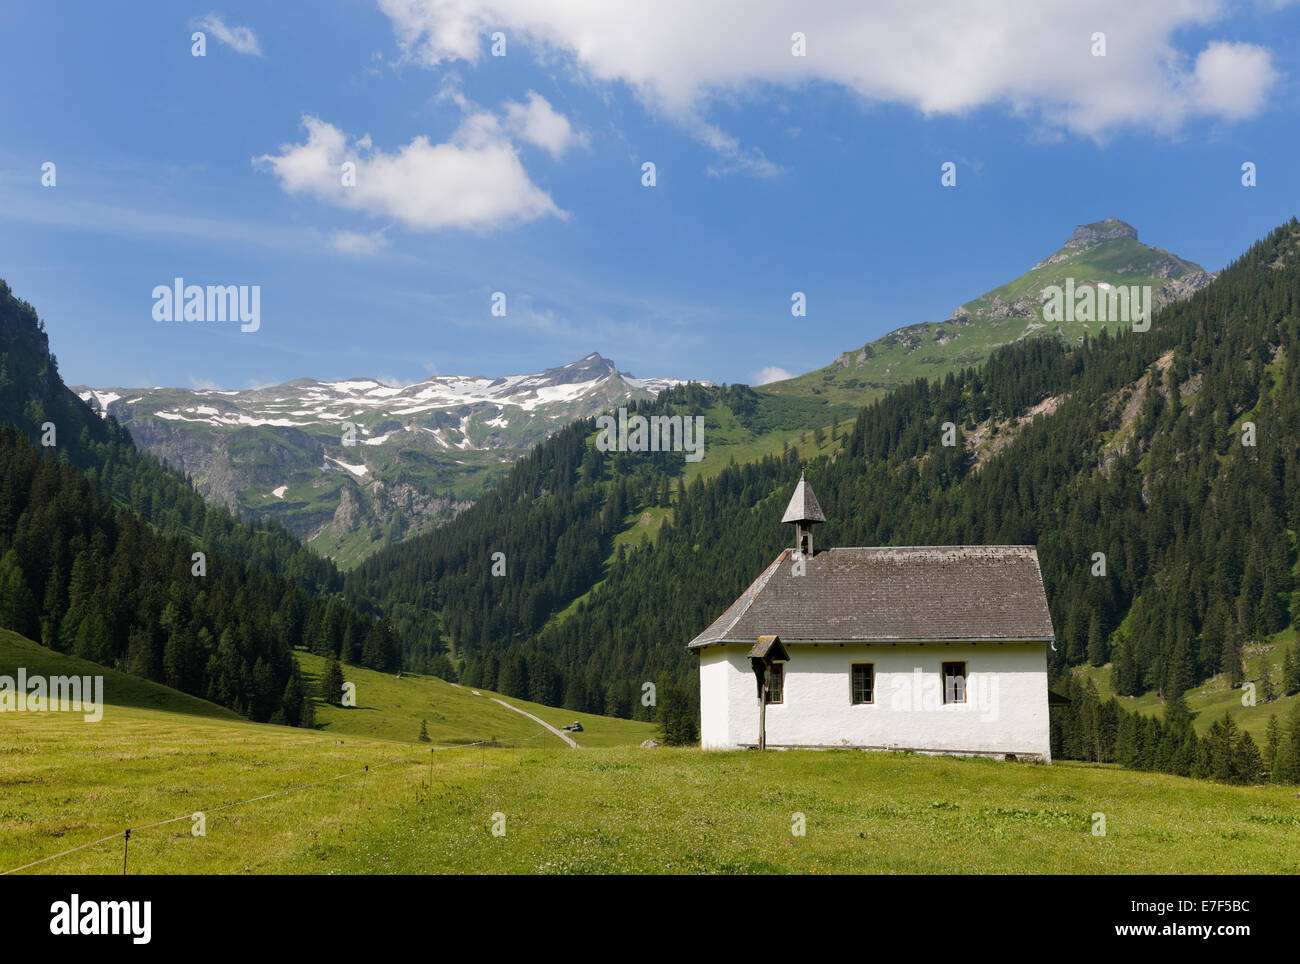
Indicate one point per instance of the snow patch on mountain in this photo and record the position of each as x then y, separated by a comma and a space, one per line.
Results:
357, 470
430, 446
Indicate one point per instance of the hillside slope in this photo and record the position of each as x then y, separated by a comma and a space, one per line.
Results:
120, 689
392, 707
617, 810
1100, 255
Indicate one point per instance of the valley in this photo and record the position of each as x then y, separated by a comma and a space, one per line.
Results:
596, 537
609, 807
351, 466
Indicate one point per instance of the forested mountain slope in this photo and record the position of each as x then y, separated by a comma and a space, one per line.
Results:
98, 556
33, 395
1136, 452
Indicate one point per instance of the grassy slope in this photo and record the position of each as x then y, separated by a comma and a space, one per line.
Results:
616, 809
683, 811
933, 349
390, 708
120, 690
786, 419
66, 782
387, 708
606, 808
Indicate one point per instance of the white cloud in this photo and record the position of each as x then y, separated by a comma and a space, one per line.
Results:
771, 373
940, 57
240, 39
473, 181
352, 242
735, 157
537, 123
1228, 77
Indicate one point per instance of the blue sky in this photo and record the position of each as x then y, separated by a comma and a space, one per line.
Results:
522, 173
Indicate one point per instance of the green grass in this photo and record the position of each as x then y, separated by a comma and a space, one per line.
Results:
641, 526
603, 808
120, 690
684, 811
389, 708
596, 810
66, 782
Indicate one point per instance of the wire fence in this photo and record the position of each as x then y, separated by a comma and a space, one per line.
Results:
125, 833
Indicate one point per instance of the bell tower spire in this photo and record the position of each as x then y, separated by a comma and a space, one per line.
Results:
805, 512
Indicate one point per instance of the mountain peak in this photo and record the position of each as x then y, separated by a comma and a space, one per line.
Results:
1098, 231
592, 367
1102, 254
594, 360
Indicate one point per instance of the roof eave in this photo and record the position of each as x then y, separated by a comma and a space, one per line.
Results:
701, 644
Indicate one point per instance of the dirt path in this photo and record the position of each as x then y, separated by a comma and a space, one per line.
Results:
560, 733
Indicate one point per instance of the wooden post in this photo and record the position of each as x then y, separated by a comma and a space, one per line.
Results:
767, 650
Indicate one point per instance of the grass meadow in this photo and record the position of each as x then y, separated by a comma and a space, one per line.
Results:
604, 808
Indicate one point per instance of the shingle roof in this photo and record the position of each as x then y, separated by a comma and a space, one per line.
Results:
803, 506
769, 648
917, 593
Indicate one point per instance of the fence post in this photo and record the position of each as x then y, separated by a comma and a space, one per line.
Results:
362, 793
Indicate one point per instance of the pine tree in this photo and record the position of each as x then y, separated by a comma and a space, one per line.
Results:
1203, 769
1097, 654
331, 682
372, 650
17, 605
1266, 692
1248, 765
677, 715
307, 715
291, 703
1271, 744
575, 694
1232, 665
1291, 670
424, 732
1287, 767
1125, 677
1177, 713
1223, 750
